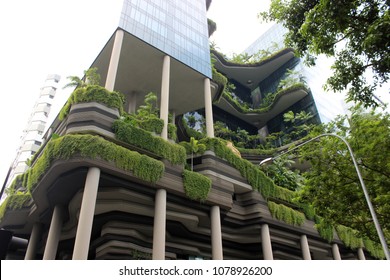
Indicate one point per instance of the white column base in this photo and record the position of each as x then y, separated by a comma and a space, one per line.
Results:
216, 233
266, 243
159, 227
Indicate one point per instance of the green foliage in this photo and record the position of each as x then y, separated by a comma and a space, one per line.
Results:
375, 249
282, 175
172, 131
239, 137
93, 93
149, 108
130, 134
94, 147
18, 200
138, 255
286, 214
256, 178
260, 151
192, 148
325, 229
196, 185
349, 236
318, 26
147, 117
152, 124
218, 77
292, 77
258, 57
194, 125
91, 77
332, 185
268, 102
14, 201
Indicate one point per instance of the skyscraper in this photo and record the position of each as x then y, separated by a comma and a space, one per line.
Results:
32, 136
178, 28
327, 104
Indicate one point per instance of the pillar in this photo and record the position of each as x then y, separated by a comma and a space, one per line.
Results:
114, 60
361, 255
33, 242
305, 248
87, 210
159, 226
216, 233
164, 103
173, 113
54, 234
132, 105
208, 104
266, 243
336, 252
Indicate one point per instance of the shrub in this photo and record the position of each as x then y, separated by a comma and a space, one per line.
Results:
286, 214
93, 93
66, 147
349, 237
14, 201
130, 134
152, 124
196, 185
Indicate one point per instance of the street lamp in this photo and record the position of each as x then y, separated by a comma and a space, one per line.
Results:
372, 212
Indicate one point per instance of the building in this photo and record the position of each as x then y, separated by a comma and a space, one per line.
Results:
32, 136
327, 105
108, 189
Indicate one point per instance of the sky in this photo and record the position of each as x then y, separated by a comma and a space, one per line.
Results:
63, 37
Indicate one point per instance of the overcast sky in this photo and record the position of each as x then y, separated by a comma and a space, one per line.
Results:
42, 37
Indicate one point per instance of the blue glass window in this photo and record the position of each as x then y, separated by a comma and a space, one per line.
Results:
176, 27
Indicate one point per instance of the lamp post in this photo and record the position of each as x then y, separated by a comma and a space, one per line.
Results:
371, 208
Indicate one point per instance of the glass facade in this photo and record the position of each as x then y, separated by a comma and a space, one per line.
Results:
328, 105
176, 27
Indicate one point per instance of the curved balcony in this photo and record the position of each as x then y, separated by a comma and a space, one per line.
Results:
251, 74
259, 117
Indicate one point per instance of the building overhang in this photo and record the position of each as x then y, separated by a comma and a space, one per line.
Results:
260, 119
250, 75
140, 72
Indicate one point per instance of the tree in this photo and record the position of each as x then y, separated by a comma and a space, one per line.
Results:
149, 109
296, 126
355, 33
91, 77
332, 185
282, 175
195, 147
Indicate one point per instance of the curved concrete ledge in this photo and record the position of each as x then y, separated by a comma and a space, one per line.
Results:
258, 119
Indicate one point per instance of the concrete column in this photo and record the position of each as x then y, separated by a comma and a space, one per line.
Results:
164, 103
208, 104
159, 227
305, 248
266, 243
33, 242
216, 233
336, 252
54, 234
114, 60
173, 113
361, 255
132, 105
87, 210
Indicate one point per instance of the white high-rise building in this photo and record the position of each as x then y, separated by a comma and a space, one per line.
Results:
31, 138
